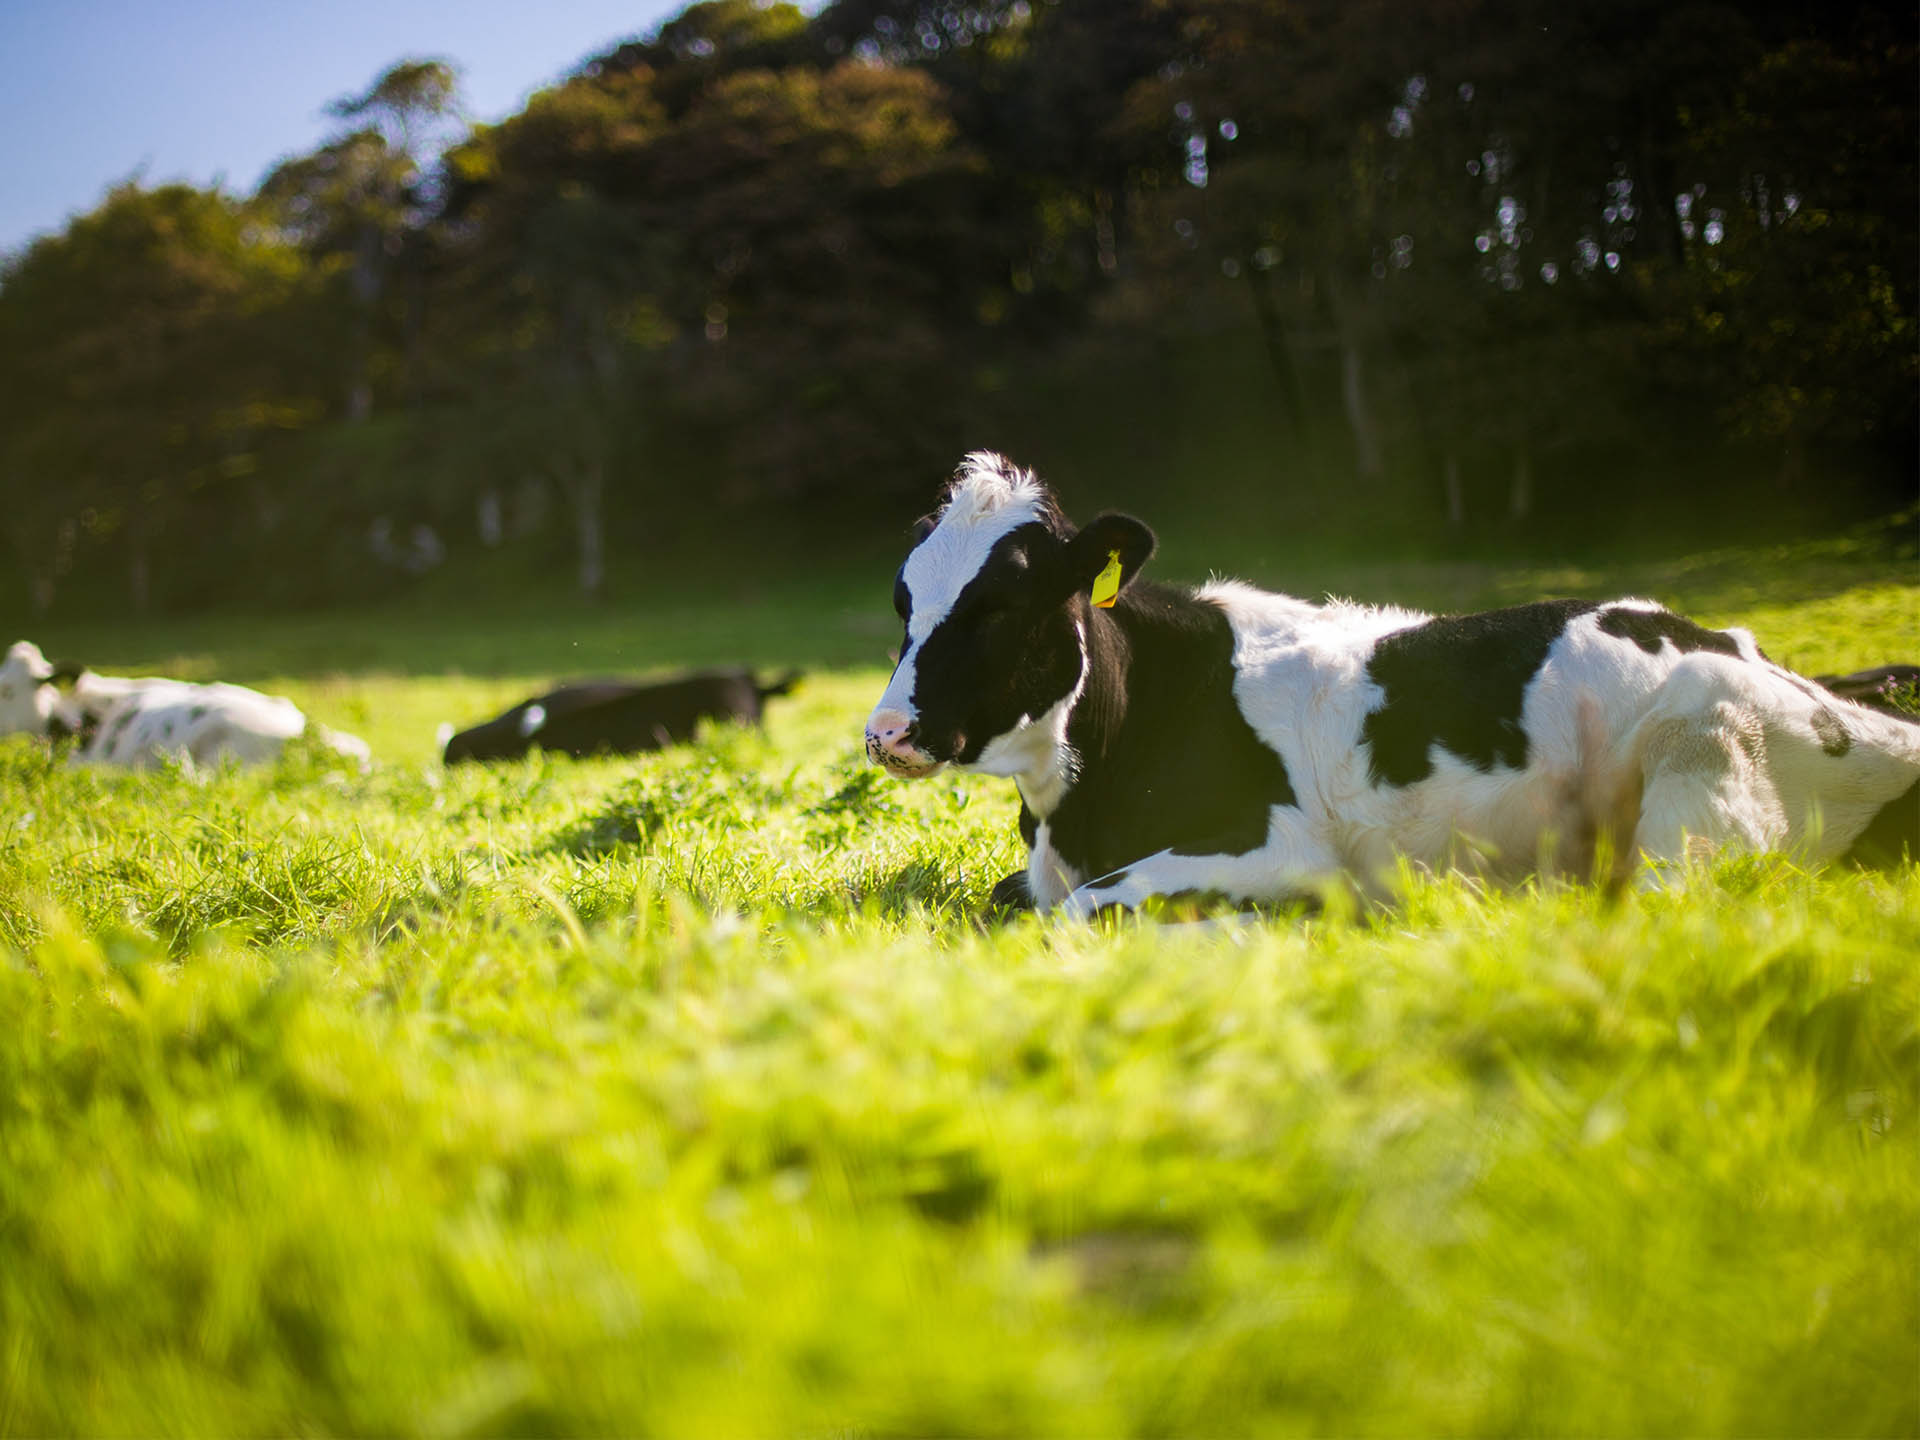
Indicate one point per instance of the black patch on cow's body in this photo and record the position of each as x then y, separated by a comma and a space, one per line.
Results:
1167, 760
119, 727
1029, 825
1459, 682
81, 735
1834, 739
1647, 628
195, 712
1892, 836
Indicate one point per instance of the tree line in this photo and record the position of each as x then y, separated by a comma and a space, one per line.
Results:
1425, 264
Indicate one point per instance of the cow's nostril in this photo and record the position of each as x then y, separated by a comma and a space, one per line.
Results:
888, 726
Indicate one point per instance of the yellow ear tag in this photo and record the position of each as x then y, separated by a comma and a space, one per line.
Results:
1106, 585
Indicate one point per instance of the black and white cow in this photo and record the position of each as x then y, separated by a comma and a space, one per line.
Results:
141, 723
618, 717
1234, 741
1880, 688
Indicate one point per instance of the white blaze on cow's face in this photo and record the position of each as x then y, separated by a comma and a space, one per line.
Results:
992, 655
27, 695
989, 500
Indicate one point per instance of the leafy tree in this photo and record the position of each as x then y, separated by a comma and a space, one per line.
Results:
1490, 247
783, 257
139, 370
359, 197
1795, 298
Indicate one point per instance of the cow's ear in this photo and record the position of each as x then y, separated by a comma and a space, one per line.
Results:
1110, 540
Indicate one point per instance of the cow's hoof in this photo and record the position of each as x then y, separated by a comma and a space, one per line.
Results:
1011, 894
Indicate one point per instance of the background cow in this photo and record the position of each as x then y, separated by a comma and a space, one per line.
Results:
29, 697
618, 717
1229, 740
142, 723
1892, 688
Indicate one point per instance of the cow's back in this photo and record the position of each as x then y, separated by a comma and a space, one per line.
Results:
1412, 735
140, 724
661, 713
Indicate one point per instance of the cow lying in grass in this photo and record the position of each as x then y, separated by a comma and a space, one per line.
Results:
618, 717
1892, 688
1227, 740
140, 724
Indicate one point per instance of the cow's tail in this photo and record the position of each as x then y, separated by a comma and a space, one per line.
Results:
782, 686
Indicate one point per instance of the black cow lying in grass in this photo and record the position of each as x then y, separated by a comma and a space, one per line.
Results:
1228, 740
618, 717
1892, 688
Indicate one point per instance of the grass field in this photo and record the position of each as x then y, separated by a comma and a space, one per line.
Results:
689, 1095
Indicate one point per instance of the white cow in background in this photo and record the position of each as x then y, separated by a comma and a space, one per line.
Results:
142, 723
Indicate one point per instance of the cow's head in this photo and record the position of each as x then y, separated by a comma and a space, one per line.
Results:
29, 703
994, 595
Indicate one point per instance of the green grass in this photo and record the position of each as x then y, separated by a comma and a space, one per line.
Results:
689, 1094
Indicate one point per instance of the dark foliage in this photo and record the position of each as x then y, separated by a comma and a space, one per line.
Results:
1453, 267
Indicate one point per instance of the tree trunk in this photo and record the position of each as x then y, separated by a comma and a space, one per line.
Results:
1520, 494
359, 398
1353, 387
1653, 190
1353, 397
366, 291
1279, 356
490, 518
416, 323
1793, 465
589, 525
139, 566
359, 392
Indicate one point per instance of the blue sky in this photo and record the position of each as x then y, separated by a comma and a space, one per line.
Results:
92, 91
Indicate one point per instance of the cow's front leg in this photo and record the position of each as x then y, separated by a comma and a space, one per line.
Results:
1011, 893
1291, 865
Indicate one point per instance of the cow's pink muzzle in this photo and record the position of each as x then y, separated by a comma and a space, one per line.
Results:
890, 745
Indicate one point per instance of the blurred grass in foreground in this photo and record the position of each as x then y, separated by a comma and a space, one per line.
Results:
685, 1094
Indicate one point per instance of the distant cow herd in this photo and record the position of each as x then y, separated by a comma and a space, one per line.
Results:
147, 723
1224, 740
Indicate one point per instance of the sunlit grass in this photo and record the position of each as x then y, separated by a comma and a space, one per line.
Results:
691, 1094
